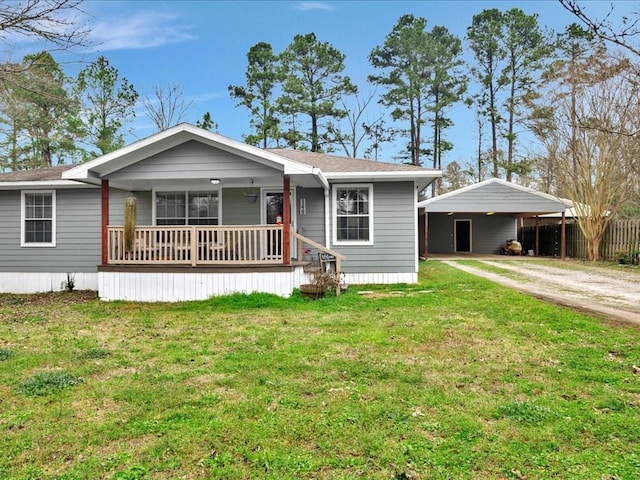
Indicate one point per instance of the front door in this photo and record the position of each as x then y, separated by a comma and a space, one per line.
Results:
272, 214
462, 236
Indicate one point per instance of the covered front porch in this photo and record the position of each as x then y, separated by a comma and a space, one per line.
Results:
171, 264
212, 216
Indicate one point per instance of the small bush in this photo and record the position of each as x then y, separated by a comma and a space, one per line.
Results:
94, 354
4, 354
70, 284
136, 472
44, 383
622, 256
523, 412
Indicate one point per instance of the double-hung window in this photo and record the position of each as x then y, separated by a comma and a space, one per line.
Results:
38, 223
187, 208
353, 214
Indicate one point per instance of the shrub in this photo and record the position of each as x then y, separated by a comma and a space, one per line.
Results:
94, 353
45, 383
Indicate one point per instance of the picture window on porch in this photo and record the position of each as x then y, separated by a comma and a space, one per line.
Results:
353, 214
38, 219
187, 208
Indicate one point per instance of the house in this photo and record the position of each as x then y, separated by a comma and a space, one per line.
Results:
211, 218
481, 217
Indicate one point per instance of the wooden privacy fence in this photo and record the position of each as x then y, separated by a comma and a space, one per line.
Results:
621, 236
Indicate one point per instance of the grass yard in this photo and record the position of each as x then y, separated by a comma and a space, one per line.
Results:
455, 378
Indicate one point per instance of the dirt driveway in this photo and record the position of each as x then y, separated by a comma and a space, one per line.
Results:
613, 292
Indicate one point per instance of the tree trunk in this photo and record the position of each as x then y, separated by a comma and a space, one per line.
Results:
510, 138
494, 133
315, 144
593, 250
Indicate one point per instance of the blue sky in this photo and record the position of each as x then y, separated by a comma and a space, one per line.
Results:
202, 46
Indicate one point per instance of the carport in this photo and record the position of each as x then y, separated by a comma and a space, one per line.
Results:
479, 218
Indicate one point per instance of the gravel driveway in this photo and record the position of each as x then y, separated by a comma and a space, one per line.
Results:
613, 293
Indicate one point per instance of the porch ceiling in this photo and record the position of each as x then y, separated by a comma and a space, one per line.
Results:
203, 184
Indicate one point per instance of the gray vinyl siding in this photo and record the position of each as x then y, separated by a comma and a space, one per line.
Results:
311, 224
488, 233
143, 207
77, 234
394, 246
194, 160
236, 210
495, 197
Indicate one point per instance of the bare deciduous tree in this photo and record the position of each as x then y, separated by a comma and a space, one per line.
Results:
50, 20
621, 32
356, 126
166, 106
590, 137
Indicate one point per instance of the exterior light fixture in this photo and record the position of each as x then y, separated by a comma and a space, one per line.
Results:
490, 213
215, 181
450, 213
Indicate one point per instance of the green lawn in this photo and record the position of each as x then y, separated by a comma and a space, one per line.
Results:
453, 378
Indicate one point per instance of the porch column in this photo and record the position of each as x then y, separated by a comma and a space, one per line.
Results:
563, 237
105, 221
537, 235
286, 221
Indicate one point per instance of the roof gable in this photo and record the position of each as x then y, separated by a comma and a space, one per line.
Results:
160, 142
494, 195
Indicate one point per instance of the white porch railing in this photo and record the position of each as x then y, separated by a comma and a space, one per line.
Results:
197, 245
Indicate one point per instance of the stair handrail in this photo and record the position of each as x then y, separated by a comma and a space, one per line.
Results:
302, 239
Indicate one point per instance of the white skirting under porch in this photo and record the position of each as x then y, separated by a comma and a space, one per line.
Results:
186, 286
174, 286
386, 278
37, 282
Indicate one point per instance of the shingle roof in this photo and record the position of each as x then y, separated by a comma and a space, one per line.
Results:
36, 174
334, 163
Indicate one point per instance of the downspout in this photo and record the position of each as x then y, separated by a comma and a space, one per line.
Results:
416, 227
327, 223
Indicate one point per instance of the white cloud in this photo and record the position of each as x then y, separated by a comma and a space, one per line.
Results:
304, 6
138, 30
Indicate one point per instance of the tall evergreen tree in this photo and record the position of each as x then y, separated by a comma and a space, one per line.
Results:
448, 84
40, 113
313, 82
420, 71
484, 36
258, 95
405, 69
526, 49
109, 102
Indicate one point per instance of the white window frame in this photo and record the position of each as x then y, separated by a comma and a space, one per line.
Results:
334, 213
186, 197
23, 219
